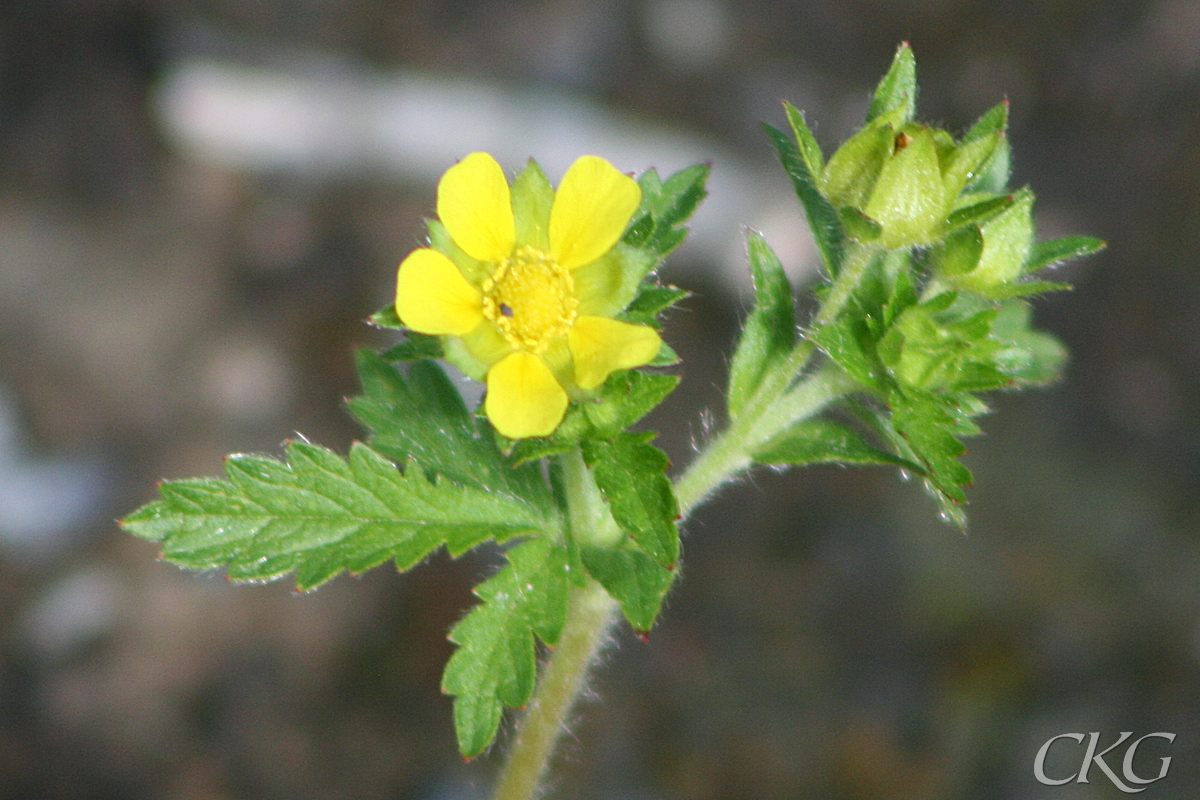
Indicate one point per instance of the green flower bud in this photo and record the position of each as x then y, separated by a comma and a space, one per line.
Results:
909, 200
1002, 244
906, 178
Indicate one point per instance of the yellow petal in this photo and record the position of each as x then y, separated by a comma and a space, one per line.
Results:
601, 346
433, 297
523, 398
475, 205
590, 211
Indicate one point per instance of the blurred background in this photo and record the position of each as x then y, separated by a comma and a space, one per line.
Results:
200, 201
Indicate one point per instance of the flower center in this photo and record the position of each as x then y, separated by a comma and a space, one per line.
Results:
531, 299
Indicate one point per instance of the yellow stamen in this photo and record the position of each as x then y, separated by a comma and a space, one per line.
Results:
531, 299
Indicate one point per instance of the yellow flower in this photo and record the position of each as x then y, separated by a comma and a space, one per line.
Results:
522, 282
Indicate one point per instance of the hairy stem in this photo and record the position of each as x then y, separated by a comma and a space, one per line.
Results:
590, 613
731, 451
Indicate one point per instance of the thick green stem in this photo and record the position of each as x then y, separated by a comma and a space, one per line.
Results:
731, 451
854, 265
590, 613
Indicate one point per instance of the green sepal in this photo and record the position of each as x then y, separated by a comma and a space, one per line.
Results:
977, 212
958, 253
897, 88
631, 475
495, 664
1007, 239
805, 171
387, 318
1027, 289
769, 332
853, 169
993, 121
818, 441
667, 357
319, 515
992, 175
908, 197
651, 301
473, 269
1056, 251
415, 347
633, 579
858, 225
532, 196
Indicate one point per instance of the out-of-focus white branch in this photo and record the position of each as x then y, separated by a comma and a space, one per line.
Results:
323, 122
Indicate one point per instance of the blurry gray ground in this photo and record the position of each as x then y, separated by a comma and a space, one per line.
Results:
829, 639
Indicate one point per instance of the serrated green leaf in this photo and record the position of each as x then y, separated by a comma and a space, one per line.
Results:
496, 661
1030, 357
842, 341
769, 332
681, 194
625, 398
633, 579
416, 347
820, 441
631, 474
822, 216
423, 418
665, 206
1056, 251
898, 88
928, 428
319, 515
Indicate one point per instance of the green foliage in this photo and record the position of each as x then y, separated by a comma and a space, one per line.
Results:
769, 332
820, 441
898, 88
496, 661
1046, 254
415, 347
631, 474
635, 580
319, 515
422, 417
802, 161
657, 224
